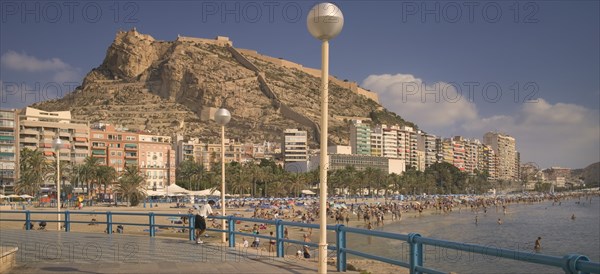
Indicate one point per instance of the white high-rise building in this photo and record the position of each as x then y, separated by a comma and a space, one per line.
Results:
295, 145
505, 148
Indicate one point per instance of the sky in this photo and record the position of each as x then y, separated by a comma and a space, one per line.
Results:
529, 69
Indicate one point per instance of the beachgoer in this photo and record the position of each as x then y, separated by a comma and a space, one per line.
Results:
538, 244
245, 243
256, 241
271, 243
200, 219
499, 221
306, 252
573, 217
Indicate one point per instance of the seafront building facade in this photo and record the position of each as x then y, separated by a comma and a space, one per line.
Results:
391, 148
38, 129
207, 154
295, 145
505, 148
9, 149
420, 150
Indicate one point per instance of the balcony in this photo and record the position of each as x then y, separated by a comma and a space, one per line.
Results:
29, 140
81, 134
130, 147
29, 131
97, 152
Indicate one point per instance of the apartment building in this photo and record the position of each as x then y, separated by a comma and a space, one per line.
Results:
505, 148
114, 146
376, 142
38, 129
360, 138
390, 141
156, 160
208, 154
427, 144
9, 149
295, 145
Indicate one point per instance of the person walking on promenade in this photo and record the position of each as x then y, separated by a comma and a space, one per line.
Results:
200, 219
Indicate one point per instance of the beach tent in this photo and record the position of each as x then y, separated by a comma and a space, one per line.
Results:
175, 189
206, 192
155, 193
308, 192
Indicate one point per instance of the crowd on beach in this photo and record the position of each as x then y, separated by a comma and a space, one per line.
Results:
372, 213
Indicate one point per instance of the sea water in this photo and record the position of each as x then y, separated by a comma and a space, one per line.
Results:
521, 225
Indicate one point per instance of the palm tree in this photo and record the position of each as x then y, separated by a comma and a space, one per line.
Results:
106, 175
189, 174
89, 171
295, 182
34, 169
131, 185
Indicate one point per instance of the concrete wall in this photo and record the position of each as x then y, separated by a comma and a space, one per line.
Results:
219, 41
285, 110
240, 58
353, 86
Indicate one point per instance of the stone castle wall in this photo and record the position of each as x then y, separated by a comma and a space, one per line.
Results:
353, 86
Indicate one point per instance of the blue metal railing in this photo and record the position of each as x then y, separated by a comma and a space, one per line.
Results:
570, 263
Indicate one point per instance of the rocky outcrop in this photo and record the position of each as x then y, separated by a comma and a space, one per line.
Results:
166, 87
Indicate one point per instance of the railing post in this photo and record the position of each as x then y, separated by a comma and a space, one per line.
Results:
27, 220
108, 222
416, 253
67, 221
279, 238
340, 245
570, 262
231, 230
151, 217
191, 221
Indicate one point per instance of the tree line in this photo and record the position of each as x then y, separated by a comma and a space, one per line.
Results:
262, 179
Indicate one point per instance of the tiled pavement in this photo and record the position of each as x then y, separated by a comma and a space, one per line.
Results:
75, 252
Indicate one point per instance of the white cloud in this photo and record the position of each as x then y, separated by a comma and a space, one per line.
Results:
432, 106
22, 62
548, 134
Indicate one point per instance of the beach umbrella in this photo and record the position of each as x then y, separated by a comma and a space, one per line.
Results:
2, 196
13, 196
25, 196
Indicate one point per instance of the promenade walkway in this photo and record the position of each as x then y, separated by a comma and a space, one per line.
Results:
75, 252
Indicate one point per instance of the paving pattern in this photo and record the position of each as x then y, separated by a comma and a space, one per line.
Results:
76, 252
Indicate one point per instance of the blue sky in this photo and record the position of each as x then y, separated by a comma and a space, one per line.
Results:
529, 69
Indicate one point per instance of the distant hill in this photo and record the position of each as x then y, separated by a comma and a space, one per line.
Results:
590, 174
168, 87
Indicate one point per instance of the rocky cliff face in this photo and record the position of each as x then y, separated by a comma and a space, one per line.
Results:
168, 87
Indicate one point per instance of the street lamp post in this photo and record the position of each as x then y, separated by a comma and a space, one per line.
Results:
222, 117
57, 144
324, 22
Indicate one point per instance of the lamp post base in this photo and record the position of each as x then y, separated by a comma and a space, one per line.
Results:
322, 258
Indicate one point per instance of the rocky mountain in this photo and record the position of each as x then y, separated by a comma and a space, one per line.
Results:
590, 174
167, 87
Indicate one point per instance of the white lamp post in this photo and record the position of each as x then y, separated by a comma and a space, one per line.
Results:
324, 22
57, 144
222, 117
